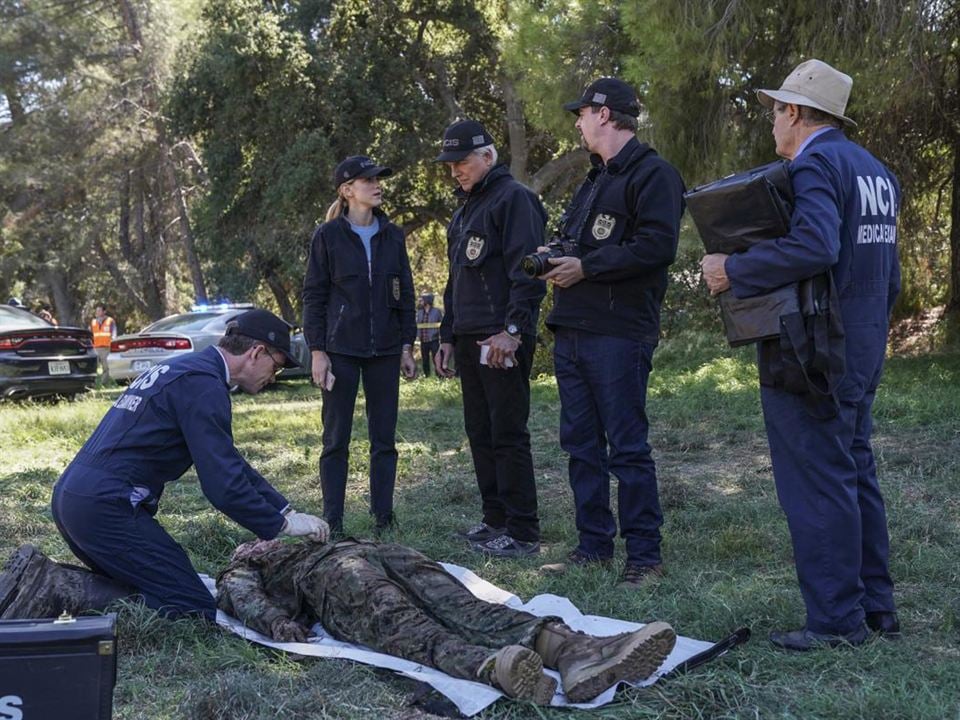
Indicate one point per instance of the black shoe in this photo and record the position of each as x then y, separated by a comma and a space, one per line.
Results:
506, 546
803, 639
885, 624
383, 524
481, 533
635, 577
336, 528
577, 558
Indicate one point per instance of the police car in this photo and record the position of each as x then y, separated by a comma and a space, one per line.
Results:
37, 358
186, 332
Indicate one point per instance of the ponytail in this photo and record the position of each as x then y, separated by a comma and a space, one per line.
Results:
337, 208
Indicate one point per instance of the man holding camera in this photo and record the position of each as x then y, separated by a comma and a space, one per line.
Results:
490, 330
624, 222
845, 222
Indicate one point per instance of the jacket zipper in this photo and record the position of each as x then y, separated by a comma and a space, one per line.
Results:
336, 325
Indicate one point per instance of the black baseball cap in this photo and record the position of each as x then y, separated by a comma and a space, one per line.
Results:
265, 326
462, 138
358, 166
611, 92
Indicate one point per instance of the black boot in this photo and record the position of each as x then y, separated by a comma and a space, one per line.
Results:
33, 586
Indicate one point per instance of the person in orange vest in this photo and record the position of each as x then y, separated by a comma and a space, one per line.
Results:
104, 329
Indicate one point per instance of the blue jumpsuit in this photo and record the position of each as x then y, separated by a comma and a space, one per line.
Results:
845, 221
174, 415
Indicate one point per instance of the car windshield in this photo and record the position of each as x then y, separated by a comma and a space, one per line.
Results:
185, 323
14, 319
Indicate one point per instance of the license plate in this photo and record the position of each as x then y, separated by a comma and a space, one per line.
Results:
140, 365
58, 367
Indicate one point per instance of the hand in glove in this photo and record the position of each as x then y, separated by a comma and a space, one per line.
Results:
299, 524
287, 630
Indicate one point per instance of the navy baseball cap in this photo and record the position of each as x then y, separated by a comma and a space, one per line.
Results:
358, 166
462, 138
266, 327
611, 92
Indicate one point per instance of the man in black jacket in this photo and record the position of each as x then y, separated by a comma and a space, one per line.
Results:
625, 221
490, 329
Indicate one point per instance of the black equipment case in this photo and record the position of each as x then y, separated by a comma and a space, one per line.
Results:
731, 215
737, 211
58, 669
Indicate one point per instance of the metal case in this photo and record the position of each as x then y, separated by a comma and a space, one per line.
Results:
58, 669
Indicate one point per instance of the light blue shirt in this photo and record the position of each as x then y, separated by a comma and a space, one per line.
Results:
803, 145
366, 233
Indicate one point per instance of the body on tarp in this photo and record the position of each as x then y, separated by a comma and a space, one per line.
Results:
58, 670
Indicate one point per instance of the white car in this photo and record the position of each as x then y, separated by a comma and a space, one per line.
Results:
178, 334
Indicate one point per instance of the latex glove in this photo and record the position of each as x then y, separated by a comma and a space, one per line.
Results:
287, 630
300, 524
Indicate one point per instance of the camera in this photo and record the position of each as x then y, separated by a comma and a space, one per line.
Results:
559, 246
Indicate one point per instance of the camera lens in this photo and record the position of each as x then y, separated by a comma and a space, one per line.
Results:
532, 265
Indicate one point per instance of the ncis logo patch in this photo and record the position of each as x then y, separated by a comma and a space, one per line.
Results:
474, 247
603, 226
395, 288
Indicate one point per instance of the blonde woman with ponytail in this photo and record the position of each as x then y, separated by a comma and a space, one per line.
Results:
358, 318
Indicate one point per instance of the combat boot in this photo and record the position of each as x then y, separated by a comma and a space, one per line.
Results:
589, 665
33, 586
518, 671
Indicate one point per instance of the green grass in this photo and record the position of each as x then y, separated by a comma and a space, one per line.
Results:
725, 545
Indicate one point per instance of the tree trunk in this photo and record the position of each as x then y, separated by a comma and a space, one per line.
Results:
516, 132
64, 310
186, 232
953, 304
564, 170
119, 277
265, 268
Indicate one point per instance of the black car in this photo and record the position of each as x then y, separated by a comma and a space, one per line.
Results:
37, 358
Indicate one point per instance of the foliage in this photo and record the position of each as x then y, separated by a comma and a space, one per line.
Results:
152, 147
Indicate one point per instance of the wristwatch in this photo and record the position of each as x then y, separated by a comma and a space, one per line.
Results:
513, 331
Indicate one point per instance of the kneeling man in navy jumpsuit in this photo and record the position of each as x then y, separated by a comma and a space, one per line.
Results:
175, 415
844, 221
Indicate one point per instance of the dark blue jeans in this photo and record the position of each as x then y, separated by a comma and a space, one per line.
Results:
603, 426
381, 388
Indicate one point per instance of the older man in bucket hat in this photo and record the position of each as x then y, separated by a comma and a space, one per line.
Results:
844, 222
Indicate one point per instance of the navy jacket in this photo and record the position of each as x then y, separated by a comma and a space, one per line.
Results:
844, 220
499, 222
175, 415
352, 308
626, 218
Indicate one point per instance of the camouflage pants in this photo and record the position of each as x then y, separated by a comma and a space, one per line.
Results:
397, 601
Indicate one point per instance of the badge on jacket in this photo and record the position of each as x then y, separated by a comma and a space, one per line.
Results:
395, 286
603, 226
474, 247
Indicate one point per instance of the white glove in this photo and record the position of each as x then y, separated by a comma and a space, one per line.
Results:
299, 524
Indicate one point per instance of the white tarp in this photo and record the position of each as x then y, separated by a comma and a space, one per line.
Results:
471, 697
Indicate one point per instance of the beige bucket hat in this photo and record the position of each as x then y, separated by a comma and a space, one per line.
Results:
815, 84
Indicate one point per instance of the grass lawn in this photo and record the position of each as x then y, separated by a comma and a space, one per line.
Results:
725, 544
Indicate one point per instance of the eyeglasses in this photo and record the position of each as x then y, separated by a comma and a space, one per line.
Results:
277, 366
771, 114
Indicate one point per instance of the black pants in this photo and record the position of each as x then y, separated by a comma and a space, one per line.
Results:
381, 388
428, 349
496, 406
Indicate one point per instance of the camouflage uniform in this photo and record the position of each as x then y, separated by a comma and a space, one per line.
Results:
388, 597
